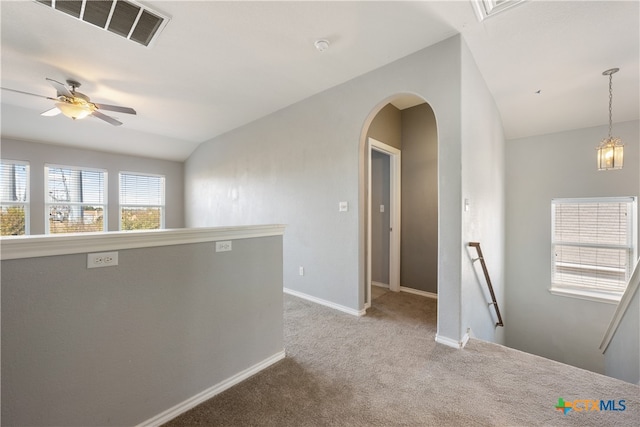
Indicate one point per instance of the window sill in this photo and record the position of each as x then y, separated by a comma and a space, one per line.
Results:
586, 295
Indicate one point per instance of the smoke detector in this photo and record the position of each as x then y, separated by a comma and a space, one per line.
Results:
322, 45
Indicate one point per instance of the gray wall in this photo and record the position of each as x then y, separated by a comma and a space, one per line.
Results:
39, 154
483, 185
380, 221
295, 165
419, 261
540, 168
387, 126
117, 346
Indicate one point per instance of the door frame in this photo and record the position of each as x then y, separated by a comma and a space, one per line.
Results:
394, 215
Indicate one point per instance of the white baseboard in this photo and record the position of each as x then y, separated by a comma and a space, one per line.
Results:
418, 292
380, 285
453, 343
326, 303
183, 407
465, 340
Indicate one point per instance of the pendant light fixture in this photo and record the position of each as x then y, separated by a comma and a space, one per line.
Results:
611, 150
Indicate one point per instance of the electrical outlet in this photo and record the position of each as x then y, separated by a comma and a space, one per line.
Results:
223, 246
102, 259
301, 270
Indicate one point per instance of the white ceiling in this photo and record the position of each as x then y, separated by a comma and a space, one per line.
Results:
219, 65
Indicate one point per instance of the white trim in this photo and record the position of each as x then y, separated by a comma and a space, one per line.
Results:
627, 297
451, 342
585, 295
15, 247
194, 401
577, 200
380, 285
418, 292
326, 303
465, 340
395, 221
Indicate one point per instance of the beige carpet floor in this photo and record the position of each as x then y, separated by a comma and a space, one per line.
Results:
385, 369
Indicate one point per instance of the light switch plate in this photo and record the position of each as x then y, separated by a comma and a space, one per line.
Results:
343, 206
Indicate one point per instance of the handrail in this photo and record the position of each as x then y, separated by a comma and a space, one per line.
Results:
632, 287
486, 276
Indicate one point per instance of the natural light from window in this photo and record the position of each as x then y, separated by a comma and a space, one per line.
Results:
141, 201
75, 199
593, 246
14, 198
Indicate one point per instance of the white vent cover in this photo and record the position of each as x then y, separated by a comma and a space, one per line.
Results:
128, 19
487, 8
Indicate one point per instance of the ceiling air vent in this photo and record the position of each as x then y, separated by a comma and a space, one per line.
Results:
487, 8
128, 19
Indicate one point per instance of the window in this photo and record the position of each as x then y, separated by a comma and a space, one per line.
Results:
594, 246
75, 199
14, 198
141, 201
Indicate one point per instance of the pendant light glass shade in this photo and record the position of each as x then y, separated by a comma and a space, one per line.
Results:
73, 111
610, 154
611, 150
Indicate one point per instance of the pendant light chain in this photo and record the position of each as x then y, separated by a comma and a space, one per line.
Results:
610, 102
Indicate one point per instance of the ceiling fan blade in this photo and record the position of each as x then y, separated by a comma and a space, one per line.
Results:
52, 112
115, 108
106, 118
28, 93
60, 88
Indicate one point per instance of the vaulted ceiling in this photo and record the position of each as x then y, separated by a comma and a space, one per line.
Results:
219, 65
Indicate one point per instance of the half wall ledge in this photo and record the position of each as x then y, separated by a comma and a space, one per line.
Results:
17, 247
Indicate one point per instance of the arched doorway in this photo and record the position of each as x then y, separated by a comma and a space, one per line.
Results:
400, 159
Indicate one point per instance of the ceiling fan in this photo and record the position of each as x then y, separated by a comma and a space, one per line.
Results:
76, 105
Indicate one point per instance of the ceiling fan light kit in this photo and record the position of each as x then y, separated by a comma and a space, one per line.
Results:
73, 111
76, 105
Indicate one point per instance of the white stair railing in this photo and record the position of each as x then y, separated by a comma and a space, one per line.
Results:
623, 305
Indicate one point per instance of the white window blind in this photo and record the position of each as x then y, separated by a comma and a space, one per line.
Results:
14, 197
142, 202
594, 244
75, 199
